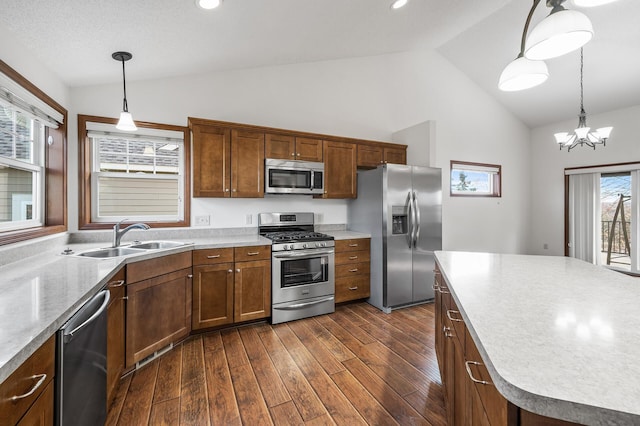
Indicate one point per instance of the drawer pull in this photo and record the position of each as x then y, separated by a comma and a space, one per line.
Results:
353, 288
190, 276
449, 312
39, 383
253, 253
353, 257
353, 245
114, 284
230, 271
353, 270
473, 379
213, 256
447, 331
443, 290
436, 287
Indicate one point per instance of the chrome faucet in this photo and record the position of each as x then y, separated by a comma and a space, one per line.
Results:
118, 234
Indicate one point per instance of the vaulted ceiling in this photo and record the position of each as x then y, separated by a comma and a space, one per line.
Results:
75, 40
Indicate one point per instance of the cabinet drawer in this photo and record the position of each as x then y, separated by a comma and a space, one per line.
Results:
243, 254
353, 245
352, 288
351, 257
159, 266
495, 405
352, 269
212, 256
33, 375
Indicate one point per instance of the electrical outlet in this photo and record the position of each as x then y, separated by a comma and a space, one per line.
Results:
249, 219
545, 246
319, 217
203, 220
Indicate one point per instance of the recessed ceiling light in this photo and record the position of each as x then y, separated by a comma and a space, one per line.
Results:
208, 4
397, 4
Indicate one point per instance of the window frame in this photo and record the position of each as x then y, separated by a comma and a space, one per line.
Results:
496, 184
54, 175
85, 168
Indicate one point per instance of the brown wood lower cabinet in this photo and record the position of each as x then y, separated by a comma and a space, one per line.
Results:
158, 305
231, 285
115, 332
470, 396
353, 273
26, 396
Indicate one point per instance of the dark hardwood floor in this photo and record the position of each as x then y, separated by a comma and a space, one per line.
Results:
355, 366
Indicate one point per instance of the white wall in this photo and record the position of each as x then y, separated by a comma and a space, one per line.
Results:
548, 164
367, 98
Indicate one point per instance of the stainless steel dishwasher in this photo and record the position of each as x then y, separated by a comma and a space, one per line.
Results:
81, 365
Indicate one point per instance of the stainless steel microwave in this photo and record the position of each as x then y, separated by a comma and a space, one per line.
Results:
293, 177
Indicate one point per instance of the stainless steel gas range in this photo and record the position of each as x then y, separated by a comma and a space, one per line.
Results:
302, 266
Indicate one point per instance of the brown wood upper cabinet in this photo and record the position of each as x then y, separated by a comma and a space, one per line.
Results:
370, 156
227, 162
292, 148
340, 170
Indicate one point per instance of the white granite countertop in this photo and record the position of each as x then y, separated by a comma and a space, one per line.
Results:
40, 293
559, 336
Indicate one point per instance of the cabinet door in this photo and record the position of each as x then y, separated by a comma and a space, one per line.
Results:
247, 170
252, 290
370, 156
211, 161
280, 146
115, 333
395, 155
340, 170
158, 313
308, 149
41, 412
439, 334
212, 295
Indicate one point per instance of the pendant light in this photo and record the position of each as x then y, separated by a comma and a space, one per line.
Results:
523, 73
561, 32
582, 134
125, 122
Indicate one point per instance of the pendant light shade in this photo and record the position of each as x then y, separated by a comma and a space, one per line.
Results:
523, 73
561, 32
125, 123
591, 3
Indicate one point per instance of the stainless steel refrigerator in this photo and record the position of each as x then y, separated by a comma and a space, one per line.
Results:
401, 207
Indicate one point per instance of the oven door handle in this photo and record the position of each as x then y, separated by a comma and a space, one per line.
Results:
305, 254
302, 305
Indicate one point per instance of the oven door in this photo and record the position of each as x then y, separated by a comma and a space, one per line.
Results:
302, 274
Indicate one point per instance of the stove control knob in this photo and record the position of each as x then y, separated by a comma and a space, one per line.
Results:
304, 246
285, 247
324, 244
291, 247
318, 244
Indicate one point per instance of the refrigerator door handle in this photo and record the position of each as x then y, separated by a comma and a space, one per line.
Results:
410, 218
416, 209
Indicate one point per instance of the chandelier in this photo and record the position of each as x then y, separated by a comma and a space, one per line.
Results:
583, 135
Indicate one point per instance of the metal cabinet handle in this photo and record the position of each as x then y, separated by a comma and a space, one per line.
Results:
253, 253
353, 245
443, 290
213, 256
230, 271
473, 379
190, 276
237, 270
125, 298
353, 257
449, 312
353, 288
41, 378
353, 270
447, 331
234, 190
226, 190
293, 154
114, 284
298, 154
436, 287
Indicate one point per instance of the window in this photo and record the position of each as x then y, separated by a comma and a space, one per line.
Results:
602, 215
138, 176
32, 172
475, 179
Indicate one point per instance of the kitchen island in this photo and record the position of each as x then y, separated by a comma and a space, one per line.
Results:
558, 336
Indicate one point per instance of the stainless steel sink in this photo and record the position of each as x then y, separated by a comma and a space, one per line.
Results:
111, 252
157, 245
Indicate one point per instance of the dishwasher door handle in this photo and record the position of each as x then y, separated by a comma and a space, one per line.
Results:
68, 336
